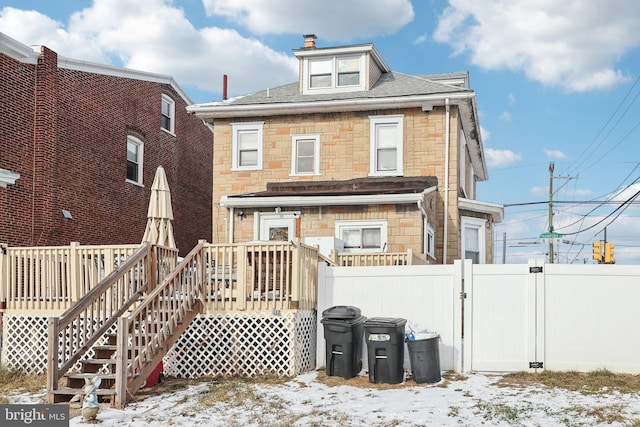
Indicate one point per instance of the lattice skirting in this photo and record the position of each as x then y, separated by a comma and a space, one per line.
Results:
240, 344
25, 344
245, 344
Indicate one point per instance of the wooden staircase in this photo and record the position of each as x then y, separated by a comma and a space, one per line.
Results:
103, 364
149, 319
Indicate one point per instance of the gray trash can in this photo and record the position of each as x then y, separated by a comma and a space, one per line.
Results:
424, 356
343, 330
385, 349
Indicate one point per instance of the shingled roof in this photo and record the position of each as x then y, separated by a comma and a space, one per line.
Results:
390, 85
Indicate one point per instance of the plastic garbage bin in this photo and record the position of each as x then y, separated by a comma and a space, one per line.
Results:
343, 331
385, 349
424, 356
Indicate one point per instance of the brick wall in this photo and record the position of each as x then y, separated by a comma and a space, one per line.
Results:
74, 157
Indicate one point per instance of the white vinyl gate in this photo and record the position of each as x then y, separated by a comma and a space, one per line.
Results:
517, 317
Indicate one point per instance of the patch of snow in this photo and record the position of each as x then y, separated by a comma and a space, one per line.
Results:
306, 401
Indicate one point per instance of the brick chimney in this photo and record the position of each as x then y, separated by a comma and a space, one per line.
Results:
309, 41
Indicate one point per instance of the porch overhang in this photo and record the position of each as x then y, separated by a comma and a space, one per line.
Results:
333, 200
495, 210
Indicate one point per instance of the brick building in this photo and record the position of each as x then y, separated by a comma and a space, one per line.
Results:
79, 147
356, 154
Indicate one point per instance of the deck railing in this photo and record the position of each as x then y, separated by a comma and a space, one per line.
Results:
374, 259
260, 276
52, 278
72, 334
153, 327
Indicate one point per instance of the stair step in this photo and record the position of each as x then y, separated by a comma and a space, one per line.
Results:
98, 361
106, 347
83, 375
68, 391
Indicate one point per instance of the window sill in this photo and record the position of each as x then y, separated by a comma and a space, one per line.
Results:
167, 131
137, 184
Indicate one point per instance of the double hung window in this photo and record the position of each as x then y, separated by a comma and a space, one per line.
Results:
247, 146
386, 138
134, 160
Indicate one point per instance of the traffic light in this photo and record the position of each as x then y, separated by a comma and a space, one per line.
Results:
597, 251
608, 253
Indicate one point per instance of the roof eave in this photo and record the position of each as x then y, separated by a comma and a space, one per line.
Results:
495, 210
219, 111
345, 200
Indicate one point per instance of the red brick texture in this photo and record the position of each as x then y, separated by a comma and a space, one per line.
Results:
65, 132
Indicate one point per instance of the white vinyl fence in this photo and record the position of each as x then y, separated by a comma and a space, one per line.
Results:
517, 317
427, 295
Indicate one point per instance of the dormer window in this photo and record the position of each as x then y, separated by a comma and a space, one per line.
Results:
335, 74
338, 69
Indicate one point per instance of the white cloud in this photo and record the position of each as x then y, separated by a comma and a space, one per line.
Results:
420, 39
554, 154
539, 191
572, 44
109, 32
335, 20
484, 133
506, 116
500, 158
512, 99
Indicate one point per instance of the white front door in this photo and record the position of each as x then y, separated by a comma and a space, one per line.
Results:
277, 226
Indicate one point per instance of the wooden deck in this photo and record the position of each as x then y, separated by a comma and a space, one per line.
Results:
146, 296
141, 299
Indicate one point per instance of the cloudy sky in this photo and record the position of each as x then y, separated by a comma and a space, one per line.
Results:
555, 82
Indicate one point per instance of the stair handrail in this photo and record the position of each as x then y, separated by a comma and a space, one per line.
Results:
147, 334
70, 336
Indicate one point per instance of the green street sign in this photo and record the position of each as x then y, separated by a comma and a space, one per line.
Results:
548, 235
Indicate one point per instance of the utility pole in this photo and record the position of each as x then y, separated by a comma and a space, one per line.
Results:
551, 166
551, 235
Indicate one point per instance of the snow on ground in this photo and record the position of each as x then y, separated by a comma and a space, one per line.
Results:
305, 401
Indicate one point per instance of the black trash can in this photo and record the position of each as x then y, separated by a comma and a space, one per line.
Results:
385, 349
424, 355
343, 334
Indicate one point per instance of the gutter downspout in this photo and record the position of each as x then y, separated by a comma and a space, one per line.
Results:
446, 180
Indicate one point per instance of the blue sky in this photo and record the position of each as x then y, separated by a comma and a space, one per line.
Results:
555, 82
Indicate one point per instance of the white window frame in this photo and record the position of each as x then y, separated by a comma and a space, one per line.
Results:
140, 160
393, 120
480, 225
382, 225
294, 154
429, 240
246, 127
333, 87
172, 113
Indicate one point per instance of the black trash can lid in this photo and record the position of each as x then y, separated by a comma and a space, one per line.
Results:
384, 321
341, 312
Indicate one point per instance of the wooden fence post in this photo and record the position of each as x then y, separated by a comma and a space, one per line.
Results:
74, 272
296, 249
52, 363
243, 288
121, 363
4, 276
153, 270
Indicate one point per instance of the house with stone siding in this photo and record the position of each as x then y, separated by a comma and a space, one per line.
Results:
353, 157
80, 144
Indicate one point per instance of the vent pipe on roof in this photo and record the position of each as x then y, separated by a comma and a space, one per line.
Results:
224, 87
309, 41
